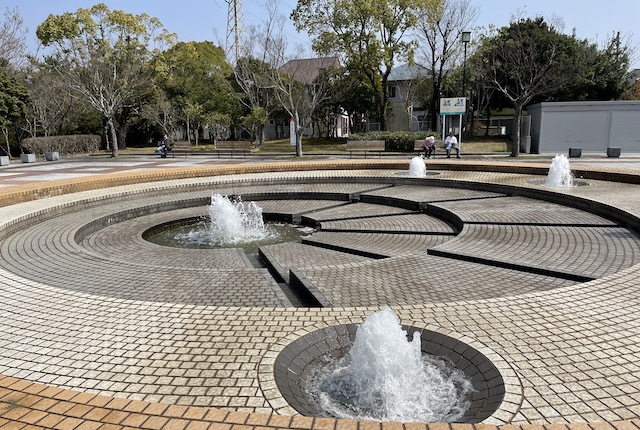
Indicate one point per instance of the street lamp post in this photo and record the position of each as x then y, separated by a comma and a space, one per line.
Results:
466, 38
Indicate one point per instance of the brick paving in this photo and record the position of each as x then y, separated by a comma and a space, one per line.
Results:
520, 210
422, 193
418, 223
376, 245
286, 256
588, 252
95, 337
410, 279
355, 210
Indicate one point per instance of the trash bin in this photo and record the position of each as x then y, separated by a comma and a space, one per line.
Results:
575, 152
613, 152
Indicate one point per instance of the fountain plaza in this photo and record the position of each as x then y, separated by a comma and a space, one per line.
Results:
532, 291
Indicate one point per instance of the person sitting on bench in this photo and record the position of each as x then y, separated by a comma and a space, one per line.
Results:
452, 143
429, 146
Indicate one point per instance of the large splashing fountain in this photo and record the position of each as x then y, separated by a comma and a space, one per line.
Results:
230, 223
386, 377
560, 172
417, 167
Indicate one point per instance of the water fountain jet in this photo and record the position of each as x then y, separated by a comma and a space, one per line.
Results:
386, 377
417, 167
233, 222
560, 172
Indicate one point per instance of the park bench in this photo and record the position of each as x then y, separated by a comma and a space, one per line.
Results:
365, 146
222, 149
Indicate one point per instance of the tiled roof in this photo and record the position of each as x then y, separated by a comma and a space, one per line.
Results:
307, 70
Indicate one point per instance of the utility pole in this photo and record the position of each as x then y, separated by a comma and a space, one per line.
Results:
466, 38
235, 30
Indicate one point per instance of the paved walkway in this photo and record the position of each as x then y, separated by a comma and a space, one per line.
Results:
18, 173
100, 329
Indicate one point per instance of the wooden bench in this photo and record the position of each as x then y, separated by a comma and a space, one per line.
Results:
417, 147
226, 149
365, 146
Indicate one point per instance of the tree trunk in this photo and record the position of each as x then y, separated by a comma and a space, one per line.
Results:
261, 135
434, 109
114, 138
383, 108
107, 136
122, 136
5, 132
298, 129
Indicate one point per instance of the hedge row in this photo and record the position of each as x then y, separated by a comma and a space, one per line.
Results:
71, 144
397, 141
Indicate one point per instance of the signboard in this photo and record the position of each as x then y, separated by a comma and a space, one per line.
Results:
453, 106
292, 132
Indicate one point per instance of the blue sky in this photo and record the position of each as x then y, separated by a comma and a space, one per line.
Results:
201, 20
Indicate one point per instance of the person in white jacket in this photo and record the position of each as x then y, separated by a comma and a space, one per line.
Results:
452, 143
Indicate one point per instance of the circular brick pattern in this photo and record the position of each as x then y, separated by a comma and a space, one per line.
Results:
570, 355
298, 360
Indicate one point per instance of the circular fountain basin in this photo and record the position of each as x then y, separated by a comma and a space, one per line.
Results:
406, 173
575, 183
193, 233
299, 360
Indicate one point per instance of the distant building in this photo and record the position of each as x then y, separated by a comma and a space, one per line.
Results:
407, 112
307, 71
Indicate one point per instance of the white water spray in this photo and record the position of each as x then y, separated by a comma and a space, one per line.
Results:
232, 222
417, 167
386, 377
560, 172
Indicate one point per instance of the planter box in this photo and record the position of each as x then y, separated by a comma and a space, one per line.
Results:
51, 156
4, 160
28, 158
575, 152
613, 152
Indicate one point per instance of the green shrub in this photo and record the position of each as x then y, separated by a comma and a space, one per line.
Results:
394, 141
71, 144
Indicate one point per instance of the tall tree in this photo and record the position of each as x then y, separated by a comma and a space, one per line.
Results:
14, 101
529, 58
12, 34
105, 56
254, 69
439, 32
52, 107
606, 71
356, 97
370, 35
195, 78
297, 85
301, 86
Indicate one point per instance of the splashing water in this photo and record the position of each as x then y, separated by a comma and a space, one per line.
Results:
232, 222
560, 172
417, 167
386, 377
